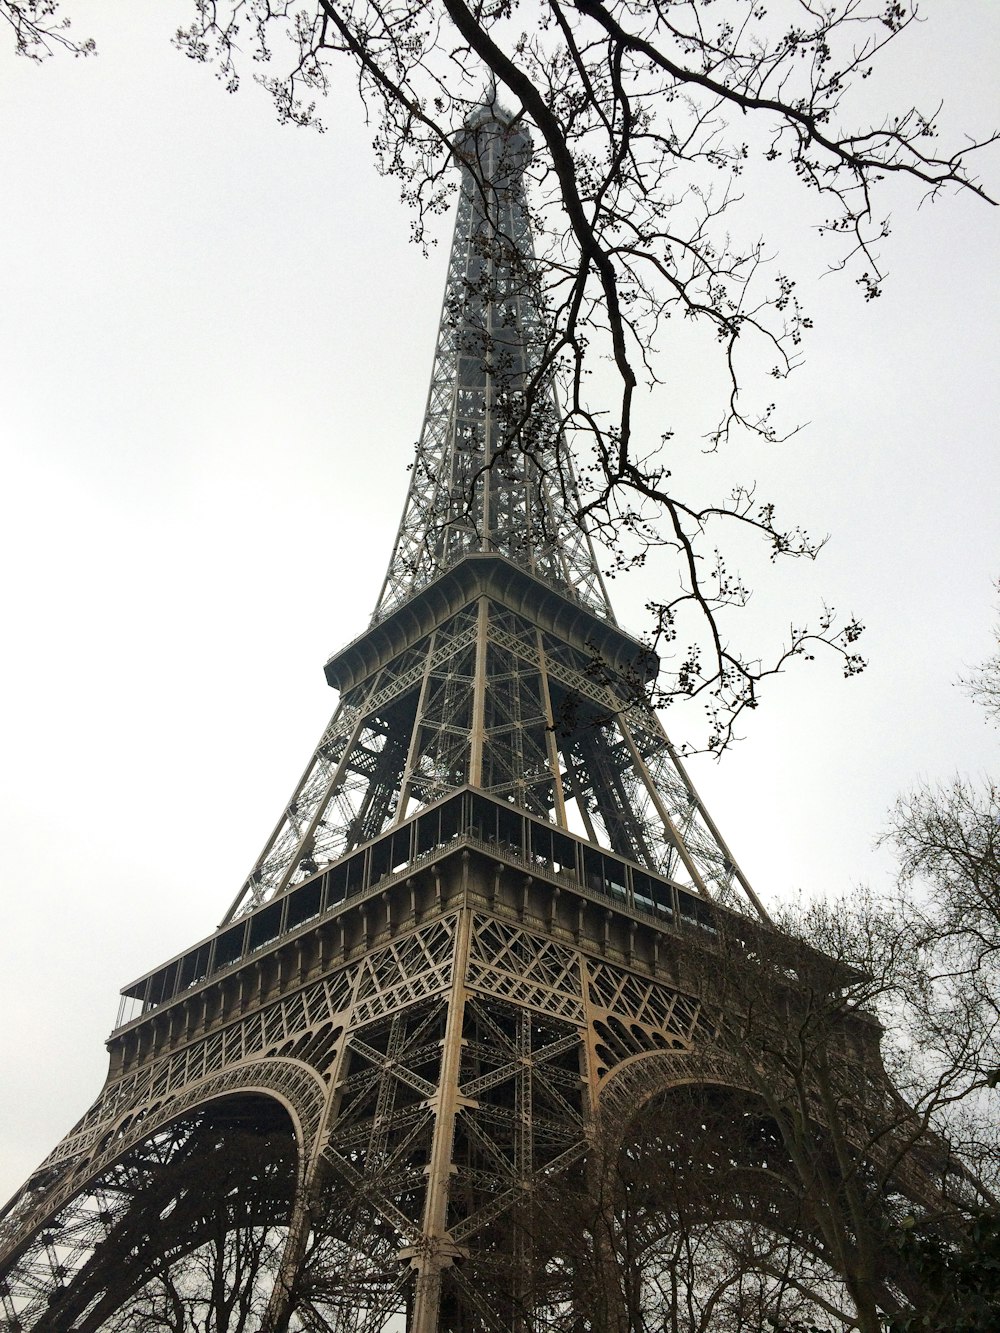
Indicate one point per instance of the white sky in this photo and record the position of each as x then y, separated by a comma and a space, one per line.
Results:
215, 341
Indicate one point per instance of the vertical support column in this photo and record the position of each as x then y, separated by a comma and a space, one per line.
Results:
490, 228
414, 746
524, 1155
550, 735
284, 1295
669, 827
477, 739
437, 1251
281, 1305
604, 1301
573, 768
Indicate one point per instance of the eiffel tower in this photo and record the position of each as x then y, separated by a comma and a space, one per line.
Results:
471, 936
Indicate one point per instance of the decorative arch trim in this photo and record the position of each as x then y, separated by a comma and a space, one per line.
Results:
293, 1084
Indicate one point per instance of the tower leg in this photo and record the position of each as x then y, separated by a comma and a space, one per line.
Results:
437, 1250
281, 1305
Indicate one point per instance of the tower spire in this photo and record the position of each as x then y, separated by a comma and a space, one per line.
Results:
492, 471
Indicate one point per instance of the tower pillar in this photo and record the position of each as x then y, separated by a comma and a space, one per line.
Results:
436, 1250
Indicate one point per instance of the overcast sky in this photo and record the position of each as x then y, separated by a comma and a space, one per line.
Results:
215, 342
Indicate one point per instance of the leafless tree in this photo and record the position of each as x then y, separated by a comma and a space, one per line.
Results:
40, 31
220, 1287
200, 1251
676, 1235
983, 684
947, 838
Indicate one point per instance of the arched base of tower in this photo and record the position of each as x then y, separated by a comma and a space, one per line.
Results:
190, 1222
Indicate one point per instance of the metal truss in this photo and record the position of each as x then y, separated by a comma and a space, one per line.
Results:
225, 1170
492, 471
491, 698
382, 1126
468, 1039
395, 1056
489, 695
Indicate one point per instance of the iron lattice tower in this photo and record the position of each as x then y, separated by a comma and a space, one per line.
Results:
476, 932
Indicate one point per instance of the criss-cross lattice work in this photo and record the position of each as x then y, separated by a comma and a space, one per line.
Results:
514, 964
402, 974
490, 698
492, 471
